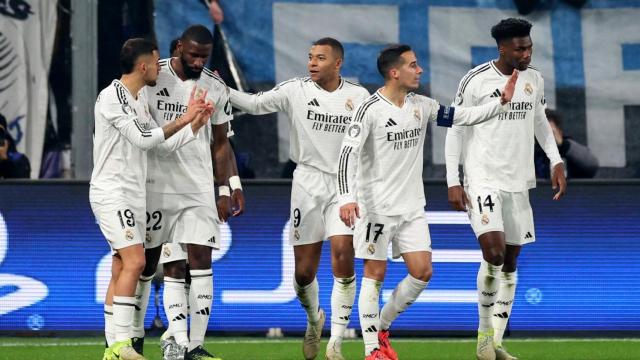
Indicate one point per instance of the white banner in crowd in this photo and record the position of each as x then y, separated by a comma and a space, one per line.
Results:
27, 33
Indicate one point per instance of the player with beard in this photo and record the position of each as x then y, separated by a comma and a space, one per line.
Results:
499, 171
182, 219
319, 108
124, 130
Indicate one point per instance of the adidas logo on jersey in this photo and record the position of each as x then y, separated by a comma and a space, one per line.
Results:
496, 93
163, 92
391, 123
314, 102
528, 235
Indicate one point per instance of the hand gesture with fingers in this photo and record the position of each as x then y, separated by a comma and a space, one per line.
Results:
509, 88
348, 214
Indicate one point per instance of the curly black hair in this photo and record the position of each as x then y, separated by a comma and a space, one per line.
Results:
510, 28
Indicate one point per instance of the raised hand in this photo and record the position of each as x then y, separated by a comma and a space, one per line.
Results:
509, 88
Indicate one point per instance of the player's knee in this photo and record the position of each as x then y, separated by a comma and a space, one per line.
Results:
422, 273
304, 276
494, 256
175, 269
199, 257
135, 264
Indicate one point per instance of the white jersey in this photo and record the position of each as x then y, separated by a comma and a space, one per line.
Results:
499, 153
383, 150
318, 118
123, 131
189, 169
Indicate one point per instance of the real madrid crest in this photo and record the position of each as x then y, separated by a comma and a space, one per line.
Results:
371, 249
128, 234
485, 219
166, 251
416, 114
528, 89
147, 237
126, 108
349, 105
354, 130
296, 234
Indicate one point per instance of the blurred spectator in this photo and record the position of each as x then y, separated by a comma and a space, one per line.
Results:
13, 165
579, 161
216, 11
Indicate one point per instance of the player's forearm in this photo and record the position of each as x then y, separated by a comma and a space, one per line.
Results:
452, 151
547, 141
181, 138
173, 127
474, 115
255, 104
346, 176
140, 138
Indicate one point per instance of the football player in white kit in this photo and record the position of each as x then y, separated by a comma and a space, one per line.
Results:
498, 168
181, 206
319, 108
380, 188
124, 130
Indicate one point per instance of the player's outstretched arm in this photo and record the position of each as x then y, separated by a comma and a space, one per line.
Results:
274, 100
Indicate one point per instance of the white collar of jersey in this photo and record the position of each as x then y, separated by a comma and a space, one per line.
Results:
406, 98
338, 88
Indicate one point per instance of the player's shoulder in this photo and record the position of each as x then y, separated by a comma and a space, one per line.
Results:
370, 104
213, 79
534, 72
115, 93
475, 75
350, 85
164, 64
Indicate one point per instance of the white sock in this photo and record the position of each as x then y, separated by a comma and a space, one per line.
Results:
308, 297
200, 300
175, 306
343, 295
504, 303
488, 282
143, 289
369, 308
403, 295
123, 308
109, 330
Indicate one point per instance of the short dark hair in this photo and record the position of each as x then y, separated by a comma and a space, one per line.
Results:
173, 46
510, 28
333, 43
554, 116
390, 57
131, 50
197, 33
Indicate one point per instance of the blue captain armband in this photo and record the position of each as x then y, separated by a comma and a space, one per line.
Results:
445, 116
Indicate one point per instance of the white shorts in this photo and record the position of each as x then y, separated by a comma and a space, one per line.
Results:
122, 225
315, 214
172, 252
182, 219
497, 210
406, 233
